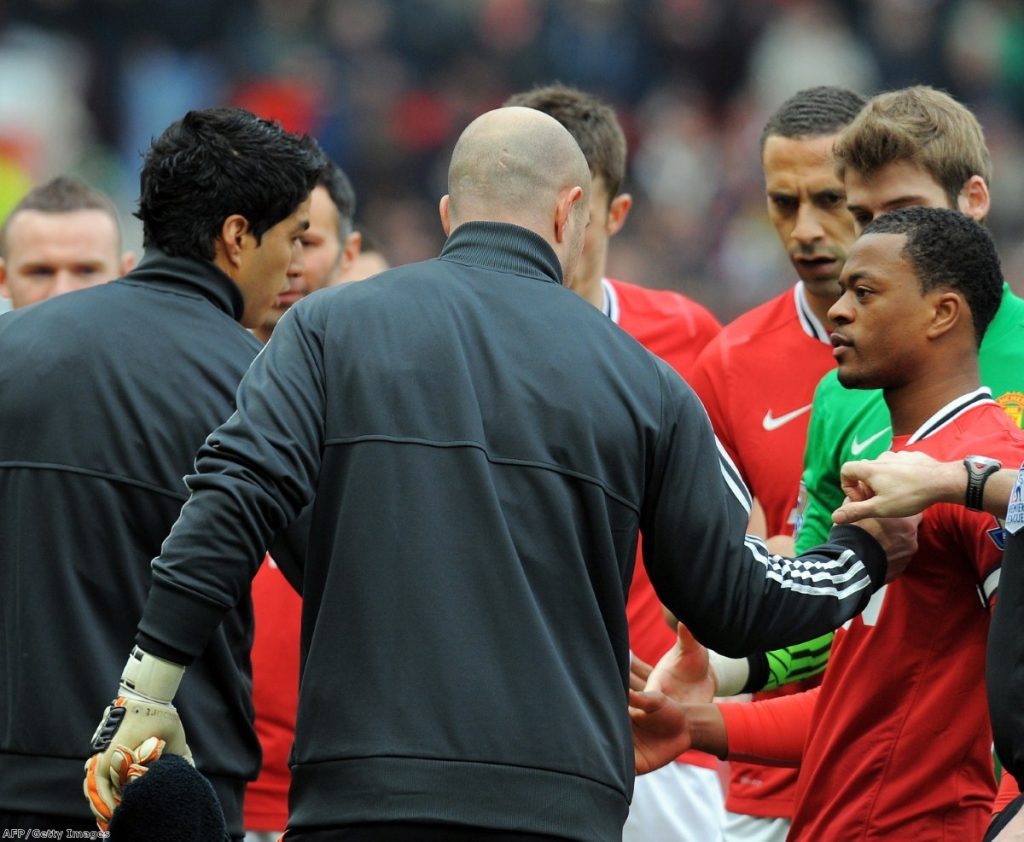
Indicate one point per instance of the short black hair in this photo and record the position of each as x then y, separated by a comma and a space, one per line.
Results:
949, 249
217, 162
342, 193
814, 112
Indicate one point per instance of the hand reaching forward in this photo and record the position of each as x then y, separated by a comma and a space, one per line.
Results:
894, 485
660, 730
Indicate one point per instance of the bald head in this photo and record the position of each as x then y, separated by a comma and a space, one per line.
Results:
521, 166
510, 164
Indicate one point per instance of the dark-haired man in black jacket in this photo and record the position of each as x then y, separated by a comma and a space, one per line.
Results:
105, 396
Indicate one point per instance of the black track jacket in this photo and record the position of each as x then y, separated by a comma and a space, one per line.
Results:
481, 447
105, 396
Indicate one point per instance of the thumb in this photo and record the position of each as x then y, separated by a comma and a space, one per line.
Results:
851, 511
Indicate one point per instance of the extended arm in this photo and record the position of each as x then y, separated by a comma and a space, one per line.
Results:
905, 483
676, 712
729, 590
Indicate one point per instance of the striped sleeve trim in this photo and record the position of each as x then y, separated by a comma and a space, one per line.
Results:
839, 578
732, 477
990, 586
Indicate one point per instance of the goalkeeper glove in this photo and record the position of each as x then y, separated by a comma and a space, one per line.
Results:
122, 742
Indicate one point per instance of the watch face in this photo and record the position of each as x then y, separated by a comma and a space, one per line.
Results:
981, 464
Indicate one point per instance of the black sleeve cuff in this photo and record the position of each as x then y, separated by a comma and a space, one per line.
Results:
177, 623
758, 677
867, 549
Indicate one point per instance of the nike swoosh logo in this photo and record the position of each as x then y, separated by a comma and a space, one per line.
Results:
770, 423
858, 447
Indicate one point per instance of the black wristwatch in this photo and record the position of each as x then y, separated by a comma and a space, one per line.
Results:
979, 469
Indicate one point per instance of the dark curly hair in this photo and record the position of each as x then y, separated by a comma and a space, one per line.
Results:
950, 250
218, 162
814, 112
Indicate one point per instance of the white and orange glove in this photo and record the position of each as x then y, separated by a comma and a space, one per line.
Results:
137, 727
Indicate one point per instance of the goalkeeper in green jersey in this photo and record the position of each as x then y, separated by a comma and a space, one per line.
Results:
915, 146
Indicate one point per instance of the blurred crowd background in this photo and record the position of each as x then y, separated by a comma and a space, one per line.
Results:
387, 85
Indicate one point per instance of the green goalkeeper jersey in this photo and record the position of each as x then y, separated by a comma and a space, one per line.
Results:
851, 424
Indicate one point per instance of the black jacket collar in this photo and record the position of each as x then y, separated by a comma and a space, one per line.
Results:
505, 247
190, 276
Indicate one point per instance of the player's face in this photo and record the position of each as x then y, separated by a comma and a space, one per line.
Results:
50, 254
807, 206
268, 268
321, 254
881, 317
897, 185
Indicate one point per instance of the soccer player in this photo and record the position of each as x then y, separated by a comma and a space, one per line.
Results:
107, 394
915, 146
904, 752
757, 378
62, 236
681, 801
904, 483
329, 247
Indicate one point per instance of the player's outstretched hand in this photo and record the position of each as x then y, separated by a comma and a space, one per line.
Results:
639, 672
684, 672
894, 485
660, 733
898, 537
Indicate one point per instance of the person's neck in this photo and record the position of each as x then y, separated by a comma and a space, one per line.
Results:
262, 333
591, 290
914, 403
820, 303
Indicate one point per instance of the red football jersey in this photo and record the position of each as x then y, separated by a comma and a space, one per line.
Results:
900, 745
757, 382
277, 609
676, 329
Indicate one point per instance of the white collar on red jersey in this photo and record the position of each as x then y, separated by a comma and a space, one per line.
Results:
950, 412
808, 321
611, 301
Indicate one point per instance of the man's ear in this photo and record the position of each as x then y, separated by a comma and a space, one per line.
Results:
230, 243
444, 208
127, 262
974, 199
617, 213
4, 289
948, 309
350, 251
568, 197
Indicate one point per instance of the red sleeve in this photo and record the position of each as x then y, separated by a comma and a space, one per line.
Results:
981, 537
771, 731
709, 381
1008, 790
